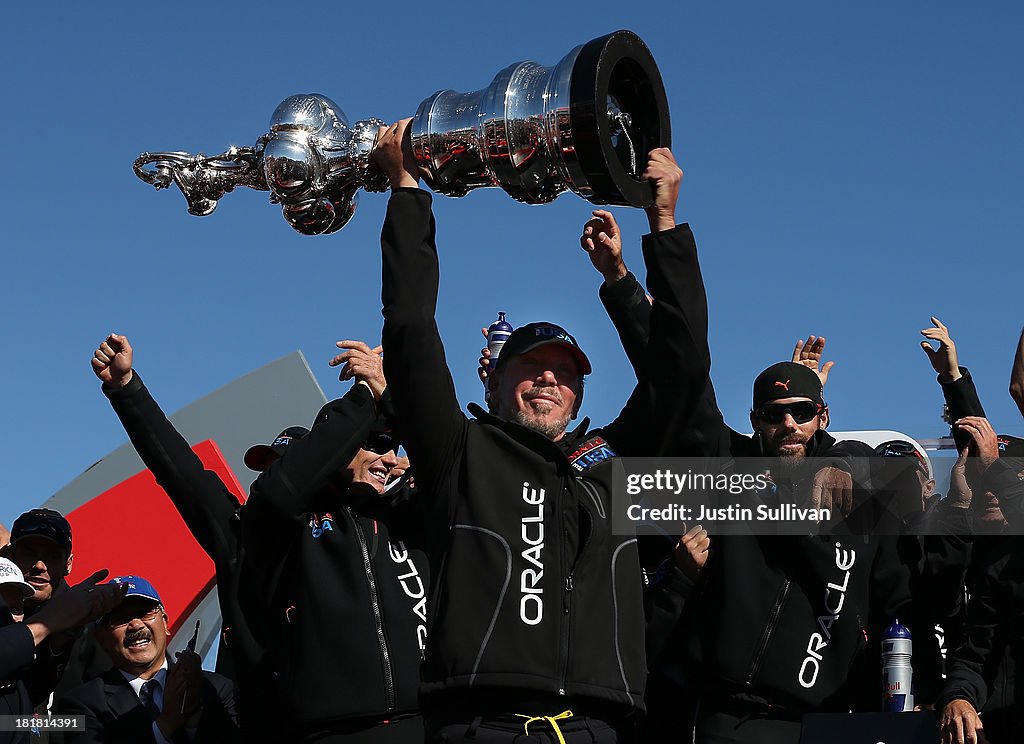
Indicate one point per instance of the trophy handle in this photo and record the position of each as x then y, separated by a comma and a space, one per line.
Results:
203, 180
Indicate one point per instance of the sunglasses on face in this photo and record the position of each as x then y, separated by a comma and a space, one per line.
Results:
802, 411
124, 615
380, 444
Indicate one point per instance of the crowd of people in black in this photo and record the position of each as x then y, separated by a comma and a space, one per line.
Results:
475, 589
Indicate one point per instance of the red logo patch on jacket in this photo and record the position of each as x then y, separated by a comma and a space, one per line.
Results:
590, 453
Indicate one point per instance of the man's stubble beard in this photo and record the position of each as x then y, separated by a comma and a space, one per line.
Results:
552, 430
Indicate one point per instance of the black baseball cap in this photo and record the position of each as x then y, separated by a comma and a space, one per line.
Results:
43, 523
382, 436
259, 456
530, 336
787, 380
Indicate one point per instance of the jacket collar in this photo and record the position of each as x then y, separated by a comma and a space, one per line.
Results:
531, 438
121, 698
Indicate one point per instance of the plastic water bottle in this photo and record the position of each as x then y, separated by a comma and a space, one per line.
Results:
897, 672
497, 335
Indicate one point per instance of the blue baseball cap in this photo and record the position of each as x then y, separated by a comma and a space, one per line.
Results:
138, 587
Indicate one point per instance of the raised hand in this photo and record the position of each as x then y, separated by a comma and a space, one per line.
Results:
112, 361
809, 352
602, 241
362, 363
392, 153
82, 603
959, 492
984, 444
484, 368
691, 553
666, 175
943, 359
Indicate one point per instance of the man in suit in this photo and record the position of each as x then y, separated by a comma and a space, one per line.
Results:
145, 699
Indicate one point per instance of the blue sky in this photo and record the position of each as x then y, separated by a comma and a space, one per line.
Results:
851, 169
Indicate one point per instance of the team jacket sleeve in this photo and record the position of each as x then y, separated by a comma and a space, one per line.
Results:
962, 399
629, 310
664, 600
93, 731
283, 495
972, 667
433, 427
17, 651
201, 498
686, 417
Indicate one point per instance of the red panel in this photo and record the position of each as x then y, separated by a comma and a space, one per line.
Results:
133, 528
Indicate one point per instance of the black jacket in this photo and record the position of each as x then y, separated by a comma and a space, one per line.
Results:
17, 652
534, 595
114, 715
210, 511
781, 618
995, 623
351, 593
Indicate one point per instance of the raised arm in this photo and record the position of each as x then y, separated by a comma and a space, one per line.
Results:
201, 498
957, 386
686, 417
1017, 375
433, 426
809, 353
281, 499
621, 294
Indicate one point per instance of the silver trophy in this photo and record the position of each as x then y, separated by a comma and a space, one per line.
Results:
585, 124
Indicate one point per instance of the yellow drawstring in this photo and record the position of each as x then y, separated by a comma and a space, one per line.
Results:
552, 721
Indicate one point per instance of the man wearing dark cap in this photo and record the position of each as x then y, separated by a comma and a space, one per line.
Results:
538, 607
334, 565
751, 652
210, 510
41, 547
145, 697
910, 476
24, 646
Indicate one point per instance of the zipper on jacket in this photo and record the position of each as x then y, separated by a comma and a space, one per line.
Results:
389, 678
773, 619
568, 590
567, 635
563, 641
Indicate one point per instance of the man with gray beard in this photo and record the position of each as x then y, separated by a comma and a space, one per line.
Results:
537, 610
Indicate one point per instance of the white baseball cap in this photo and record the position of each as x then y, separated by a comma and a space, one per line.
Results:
11, 574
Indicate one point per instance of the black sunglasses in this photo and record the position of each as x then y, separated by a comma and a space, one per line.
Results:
380, 444
801, 411
899, 449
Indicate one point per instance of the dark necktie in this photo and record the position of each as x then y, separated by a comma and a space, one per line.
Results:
147, 696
